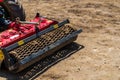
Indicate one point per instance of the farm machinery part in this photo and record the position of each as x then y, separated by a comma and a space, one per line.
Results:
26, 42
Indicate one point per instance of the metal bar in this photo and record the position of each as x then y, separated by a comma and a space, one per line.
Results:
27, 22
16, 44
8, 60
64, 22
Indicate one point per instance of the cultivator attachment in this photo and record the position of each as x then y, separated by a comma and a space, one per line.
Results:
41, 43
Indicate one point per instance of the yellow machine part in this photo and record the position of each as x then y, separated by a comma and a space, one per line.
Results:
1, 57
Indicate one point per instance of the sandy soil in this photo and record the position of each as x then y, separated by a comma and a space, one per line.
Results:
100, 21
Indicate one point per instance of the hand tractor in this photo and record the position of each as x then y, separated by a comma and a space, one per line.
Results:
22, 43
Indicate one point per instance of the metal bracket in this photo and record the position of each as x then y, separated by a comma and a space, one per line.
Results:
8, 60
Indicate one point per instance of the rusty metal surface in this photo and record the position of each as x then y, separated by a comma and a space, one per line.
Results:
41, 42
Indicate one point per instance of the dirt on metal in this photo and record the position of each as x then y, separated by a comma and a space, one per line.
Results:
41, 42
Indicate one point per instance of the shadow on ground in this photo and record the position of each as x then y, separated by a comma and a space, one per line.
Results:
40, 67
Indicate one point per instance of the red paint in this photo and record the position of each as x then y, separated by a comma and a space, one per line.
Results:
1, 0
14, 34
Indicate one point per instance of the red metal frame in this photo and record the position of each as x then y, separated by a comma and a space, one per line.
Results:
23, 31
1, 0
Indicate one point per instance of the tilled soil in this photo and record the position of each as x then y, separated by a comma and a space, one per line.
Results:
100, 21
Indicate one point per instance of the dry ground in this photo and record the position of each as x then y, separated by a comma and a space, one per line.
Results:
100, 20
